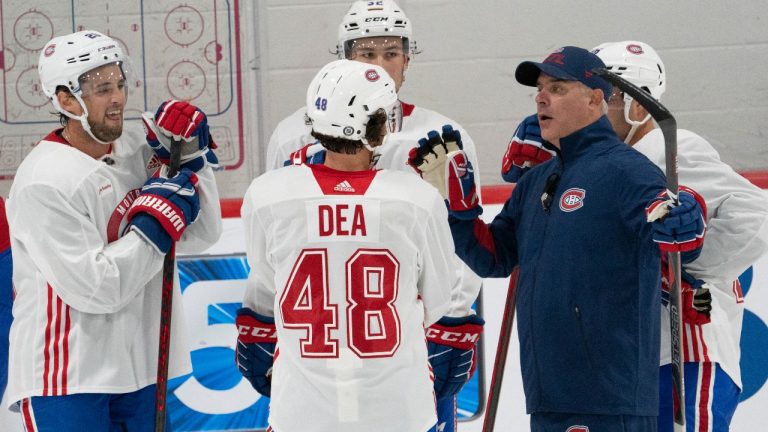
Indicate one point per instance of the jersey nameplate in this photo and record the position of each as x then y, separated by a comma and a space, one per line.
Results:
342, 219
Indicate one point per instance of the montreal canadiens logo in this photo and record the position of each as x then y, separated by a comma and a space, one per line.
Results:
371, 75
49, 50
635, 49
572, 199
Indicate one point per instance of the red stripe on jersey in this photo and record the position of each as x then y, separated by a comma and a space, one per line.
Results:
700, 330
57, 333
705, 392
66, 351
484, 236
27, 416
46, 355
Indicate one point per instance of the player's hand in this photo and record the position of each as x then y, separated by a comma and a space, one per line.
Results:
696, 296
165, 208
452, 344
184, 122
255, 353
678, 227
310, 154
440, 160
526, 149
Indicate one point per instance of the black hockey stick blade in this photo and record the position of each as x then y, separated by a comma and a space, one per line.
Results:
499, 363
668, 126
166, 306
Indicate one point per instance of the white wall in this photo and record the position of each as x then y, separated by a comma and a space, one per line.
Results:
716, 55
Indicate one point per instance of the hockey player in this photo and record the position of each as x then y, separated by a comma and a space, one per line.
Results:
6, 295
587, 294
379, 33
90, 225
348, 264
737, 235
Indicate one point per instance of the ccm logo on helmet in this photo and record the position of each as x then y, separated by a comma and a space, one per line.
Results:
572, 199
635, 49
371, 75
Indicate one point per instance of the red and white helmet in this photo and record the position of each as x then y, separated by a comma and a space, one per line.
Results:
344, 94
66, 60
371, 19
638, 63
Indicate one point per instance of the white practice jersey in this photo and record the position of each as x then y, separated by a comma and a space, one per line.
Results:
412, 123
737, 235
87, 306
353, 266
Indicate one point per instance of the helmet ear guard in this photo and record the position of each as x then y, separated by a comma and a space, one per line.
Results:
344, 94
366, 19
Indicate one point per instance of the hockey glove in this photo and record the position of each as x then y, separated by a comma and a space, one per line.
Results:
678, 227
165, 208
255, 354
184, 122
451, 345
441, 161
310, 154
526, 149
696, 296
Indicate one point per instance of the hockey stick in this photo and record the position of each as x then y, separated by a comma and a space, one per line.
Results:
163, 354
501, 353
668, 127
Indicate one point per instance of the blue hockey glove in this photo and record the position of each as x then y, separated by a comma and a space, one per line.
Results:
451, 344
678, 227
310, 154
184, 122
526, 149
256, 342
165, 208
440, 160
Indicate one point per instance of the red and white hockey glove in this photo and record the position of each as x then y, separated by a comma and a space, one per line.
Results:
184, 122
165, 208
255, 353
678, 227
452, 345
526, 149
440, 160
696, 296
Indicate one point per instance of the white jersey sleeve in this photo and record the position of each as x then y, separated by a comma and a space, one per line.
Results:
291, 134
352, 266
737, 235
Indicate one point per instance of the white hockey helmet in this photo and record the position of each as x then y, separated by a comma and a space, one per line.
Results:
344, 94
638, 63
371, 19
66, 60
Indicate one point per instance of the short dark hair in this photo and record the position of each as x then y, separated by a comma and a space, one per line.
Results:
63, 120
347, 146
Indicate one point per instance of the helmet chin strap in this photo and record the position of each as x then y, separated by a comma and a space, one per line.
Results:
635, 124
83, 118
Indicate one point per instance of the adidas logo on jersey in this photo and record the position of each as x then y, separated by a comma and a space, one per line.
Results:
344, 187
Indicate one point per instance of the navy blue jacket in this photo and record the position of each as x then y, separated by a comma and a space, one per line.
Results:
588, 292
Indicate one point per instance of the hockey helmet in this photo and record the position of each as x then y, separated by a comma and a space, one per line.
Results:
371, 19
344, 94
67, 60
